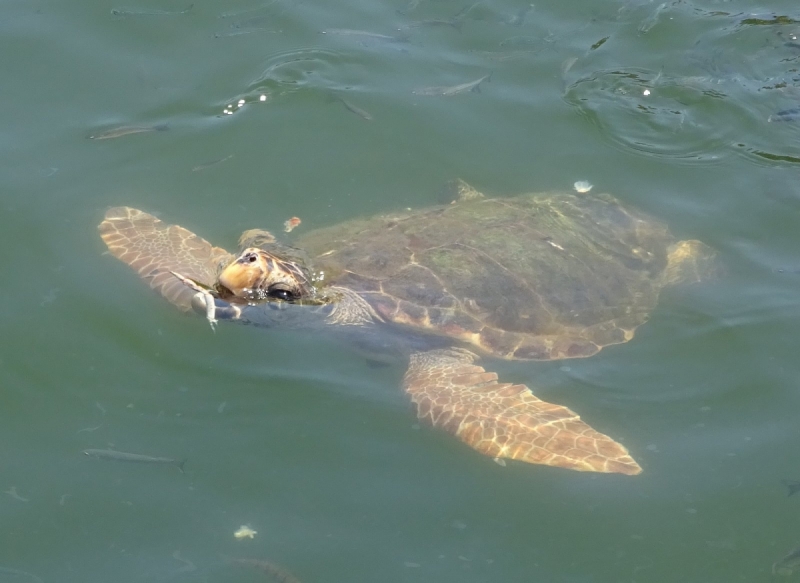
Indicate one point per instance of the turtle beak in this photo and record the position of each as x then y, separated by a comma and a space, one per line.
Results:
247, 272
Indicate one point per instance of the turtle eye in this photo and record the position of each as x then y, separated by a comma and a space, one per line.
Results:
250, 258
280, 293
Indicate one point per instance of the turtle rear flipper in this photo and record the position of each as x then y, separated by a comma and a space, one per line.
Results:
504, 420
154, 250
455, 191
690, 261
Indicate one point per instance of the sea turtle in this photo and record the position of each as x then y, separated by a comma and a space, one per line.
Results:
532, 277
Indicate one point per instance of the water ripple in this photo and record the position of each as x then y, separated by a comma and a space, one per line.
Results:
290, 71
307, 67
686, 118
733, 89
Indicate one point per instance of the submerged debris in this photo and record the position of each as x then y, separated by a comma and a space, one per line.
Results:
451, 22
245, 532
137, 12
240, 32
363, 114
583, 186
188, 566
211, 163
456, 21
365, 34
792, 114
121, 456
649, 22
120, 131
775, 19
788, 564
21, 573
519, 18
277, 572
12, 491
529, 43
291, 224
793, 486
448, 91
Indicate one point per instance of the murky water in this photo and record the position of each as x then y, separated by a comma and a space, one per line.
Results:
689, 111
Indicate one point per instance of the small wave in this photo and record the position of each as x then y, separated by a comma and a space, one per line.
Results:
648, 112
304, 67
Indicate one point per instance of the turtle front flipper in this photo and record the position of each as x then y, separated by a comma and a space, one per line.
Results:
154, 250
502, 420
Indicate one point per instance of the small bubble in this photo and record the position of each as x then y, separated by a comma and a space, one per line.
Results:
646, 92
262, 97
583, 186
241, 103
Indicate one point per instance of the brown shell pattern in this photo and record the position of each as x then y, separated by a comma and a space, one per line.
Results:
532, 277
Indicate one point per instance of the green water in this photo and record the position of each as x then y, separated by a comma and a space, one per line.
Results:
295, 435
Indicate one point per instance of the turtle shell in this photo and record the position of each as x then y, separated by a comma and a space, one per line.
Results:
536, 276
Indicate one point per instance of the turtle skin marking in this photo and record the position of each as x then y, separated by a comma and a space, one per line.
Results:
502, 420
154, 249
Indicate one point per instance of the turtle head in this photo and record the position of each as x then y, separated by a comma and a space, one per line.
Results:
259, 275
268, 288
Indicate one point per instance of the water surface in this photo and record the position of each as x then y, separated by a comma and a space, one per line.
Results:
673, 107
